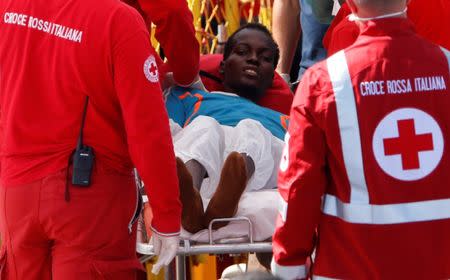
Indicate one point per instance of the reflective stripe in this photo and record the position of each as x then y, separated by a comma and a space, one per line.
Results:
447, 54
348, 126
389, 213
288, 272
282, 207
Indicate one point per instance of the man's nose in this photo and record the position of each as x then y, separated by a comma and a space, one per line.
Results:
253, 57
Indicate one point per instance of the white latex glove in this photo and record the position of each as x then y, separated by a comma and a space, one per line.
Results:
165, 248
198, 84
169, 81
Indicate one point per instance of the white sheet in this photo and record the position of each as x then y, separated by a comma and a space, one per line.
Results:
261, 207
208, 142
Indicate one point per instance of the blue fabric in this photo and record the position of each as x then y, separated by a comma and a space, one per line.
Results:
312, 35
184, 105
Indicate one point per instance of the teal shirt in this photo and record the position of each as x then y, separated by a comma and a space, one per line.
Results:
184, 105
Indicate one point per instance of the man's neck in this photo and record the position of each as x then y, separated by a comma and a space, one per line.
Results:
249, 94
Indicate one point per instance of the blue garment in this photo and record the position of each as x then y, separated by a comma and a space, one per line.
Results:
312, 35
184, 105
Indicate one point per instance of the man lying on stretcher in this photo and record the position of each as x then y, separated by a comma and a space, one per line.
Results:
225, 136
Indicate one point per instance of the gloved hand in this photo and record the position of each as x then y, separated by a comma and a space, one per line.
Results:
169, 82
165, 248
198, 84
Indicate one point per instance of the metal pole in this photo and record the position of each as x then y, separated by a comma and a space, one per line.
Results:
181, 267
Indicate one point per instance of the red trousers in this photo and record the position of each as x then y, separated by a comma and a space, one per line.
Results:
45, 237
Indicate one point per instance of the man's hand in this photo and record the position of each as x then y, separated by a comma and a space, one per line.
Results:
198, 84
165, 248
169, 81
148, 216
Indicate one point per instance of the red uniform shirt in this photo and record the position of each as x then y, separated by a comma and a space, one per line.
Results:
176, 34
51, 57
367, 161
429, 18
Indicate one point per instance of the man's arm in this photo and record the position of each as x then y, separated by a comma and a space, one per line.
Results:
301, 184
145, 118
286, 31
176, 34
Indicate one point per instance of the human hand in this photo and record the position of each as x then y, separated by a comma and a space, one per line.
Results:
198, 84
148, 217
168, 81
165, 247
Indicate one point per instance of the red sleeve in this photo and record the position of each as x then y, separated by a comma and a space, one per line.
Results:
429, 18
145, 118
301, 184
175, 31
343, 12
341, 33
343, 36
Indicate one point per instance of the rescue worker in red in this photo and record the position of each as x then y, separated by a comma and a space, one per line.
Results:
176, 33
53, 55
425, 15
364, 177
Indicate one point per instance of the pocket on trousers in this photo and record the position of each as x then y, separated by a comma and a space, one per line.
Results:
3, 263
116, 269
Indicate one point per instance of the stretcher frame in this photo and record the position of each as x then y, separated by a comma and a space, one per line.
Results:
239, 245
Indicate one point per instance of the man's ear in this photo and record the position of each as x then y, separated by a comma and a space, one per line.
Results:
222, 67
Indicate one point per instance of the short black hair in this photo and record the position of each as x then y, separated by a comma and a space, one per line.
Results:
255, 26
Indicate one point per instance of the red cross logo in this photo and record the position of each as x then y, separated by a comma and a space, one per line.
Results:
153, 70
416, 140
408, 144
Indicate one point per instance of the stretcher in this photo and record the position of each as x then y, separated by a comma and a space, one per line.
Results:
247, 232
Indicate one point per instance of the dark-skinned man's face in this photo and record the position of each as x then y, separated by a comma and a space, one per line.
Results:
248, 71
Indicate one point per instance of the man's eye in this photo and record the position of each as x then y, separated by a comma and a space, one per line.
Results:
241, 51
267, 58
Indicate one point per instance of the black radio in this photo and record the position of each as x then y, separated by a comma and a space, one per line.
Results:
83, 161
82, 158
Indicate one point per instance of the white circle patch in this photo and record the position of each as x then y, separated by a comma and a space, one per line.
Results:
151, 69
408, 144
284, 163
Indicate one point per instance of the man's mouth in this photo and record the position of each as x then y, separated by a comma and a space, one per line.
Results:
251, 72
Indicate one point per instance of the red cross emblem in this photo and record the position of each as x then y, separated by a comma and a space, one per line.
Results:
153, 70
408, 144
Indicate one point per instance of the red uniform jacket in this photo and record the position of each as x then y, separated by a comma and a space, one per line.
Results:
53, 55
367, 162
176, 34
429, 18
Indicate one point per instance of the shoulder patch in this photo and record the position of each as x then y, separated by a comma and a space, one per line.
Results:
151, 69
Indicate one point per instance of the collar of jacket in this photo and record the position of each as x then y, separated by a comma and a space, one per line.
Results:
391, 27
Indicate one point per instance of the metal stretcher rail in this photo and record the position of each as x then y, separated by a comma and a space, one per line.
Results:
224, 246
